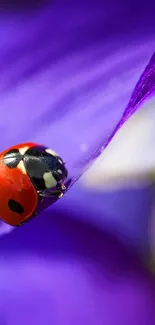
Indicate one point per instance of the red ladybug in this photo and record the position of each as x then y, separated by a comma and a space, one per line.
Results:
28, 172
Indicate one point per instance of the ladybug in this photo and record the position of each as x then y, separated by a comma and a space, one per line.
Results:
28, 173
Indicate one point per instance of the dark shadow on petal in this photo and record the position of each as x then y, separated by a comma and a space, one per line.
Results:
19, 5
61, 237
47, 46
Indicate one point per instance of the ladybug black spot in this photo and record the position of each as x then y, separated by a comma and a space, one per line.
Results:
15, 206
12, 158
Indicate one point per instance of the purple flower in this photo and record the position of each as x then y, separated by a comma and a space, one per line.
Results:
67, 74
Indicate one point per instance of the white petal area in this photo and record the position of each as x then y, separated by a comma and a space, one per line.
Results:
49, 180
130, 157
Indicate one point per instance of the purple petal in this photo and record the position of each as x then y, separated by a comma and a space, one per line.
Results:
63, 271
64, 97
63, 91
144, 88
62, 75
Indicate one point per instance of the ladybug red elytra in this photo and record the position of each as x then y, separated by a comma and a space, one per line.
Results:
28, 172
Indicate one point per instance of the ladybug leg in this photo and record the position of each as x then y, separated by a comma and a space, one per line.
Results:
58, 192
61, 188
50, 193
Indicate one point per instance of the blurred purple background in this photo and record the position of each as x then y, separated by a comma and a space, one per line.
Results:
67, 73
